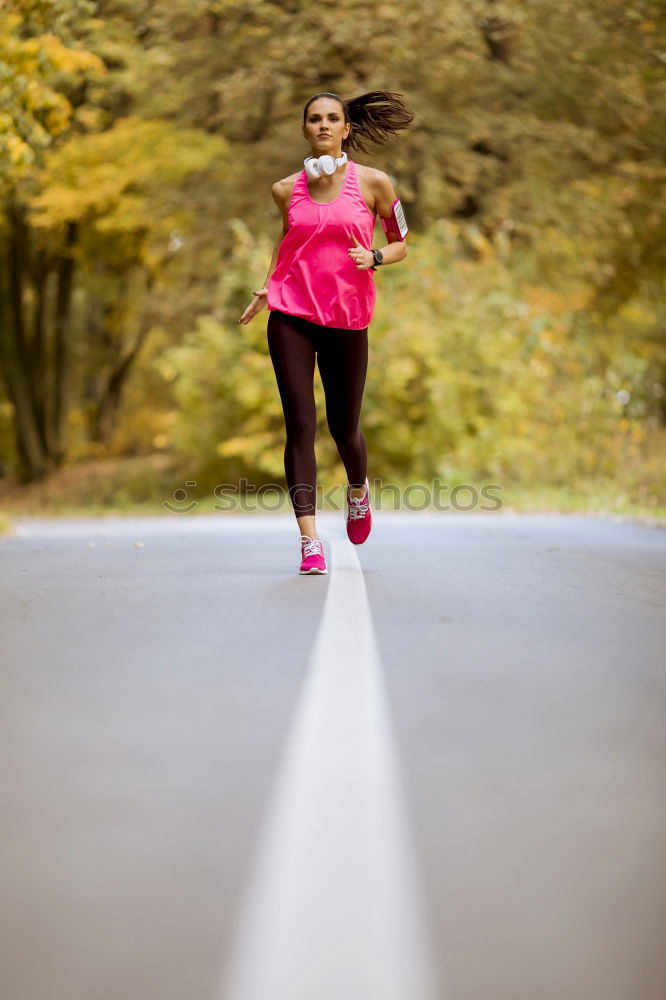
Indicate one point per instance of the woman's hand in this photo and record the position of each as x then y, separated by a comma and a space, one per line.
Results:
362, 257
255, 306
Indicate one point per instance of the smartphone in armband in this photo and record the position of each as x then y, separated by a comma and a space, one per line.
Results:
396, 224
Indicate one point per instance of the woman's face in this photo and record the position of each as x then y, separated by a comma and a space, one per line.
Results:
325, 115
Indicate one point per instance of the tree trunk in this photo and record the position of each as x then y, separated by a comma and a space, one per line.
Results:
108, 403
61, 354
39, 350
15, 354
105, 412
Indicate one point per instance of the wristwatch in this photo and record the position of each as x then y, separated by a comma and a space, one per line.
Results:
379, 257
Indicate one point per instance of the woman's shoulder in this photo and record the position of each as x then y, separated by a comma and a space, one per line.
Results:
282, 189
372, 174
377, 183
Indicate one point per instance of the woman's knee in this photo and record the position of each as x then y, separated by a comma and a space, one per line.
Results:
301, 429
345, 437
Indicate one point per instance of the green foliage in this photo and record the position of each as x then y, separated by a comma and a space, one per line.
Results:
229, 416
40, 71
117, 178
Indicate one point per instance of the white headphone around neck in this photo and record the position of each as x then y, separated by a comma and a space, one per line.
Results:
326, 164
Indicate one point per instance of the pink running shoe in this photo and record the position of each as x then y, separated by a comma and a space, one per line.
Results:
312, 552
359, 517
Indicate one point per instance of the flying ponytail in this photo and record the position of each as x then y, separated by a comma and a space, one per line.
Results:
374, 117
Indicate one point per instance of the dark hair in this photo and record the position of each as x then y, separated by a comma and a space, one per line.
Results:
374, 117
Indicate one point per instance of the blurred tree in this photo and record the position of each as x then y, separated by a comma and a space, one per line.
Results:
42, 82
84, 185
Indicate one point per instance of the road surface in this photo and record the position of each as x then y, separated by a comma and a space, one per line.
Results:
437, 773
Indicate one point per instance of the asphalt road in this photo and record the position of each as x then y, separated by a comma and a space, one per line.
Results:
510, 668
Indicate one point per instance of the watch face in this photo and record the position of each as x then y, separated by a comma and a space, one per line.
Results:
379, 256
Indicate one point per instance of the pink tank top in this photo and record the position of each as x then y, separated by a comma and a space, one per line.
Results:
314, 276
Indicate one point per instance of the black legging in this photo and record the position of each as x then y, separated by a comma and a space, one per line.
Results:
342, 358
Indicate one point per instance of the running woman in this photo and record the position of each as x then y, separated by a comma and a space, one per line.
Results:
320, 292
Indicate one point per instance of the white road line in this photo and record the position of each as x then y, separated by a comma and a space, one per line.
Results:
333, 909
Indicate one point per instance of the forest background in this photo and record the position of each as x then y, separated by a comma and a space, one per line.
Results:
522, 341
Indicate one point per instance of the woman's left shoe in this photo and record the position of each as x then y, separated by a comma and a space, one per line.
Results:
312, 556
359, 517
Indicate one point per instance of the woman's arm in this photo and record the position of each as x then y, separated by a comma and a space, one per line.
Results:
273, 263
260, 295
385, 196
278, 192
